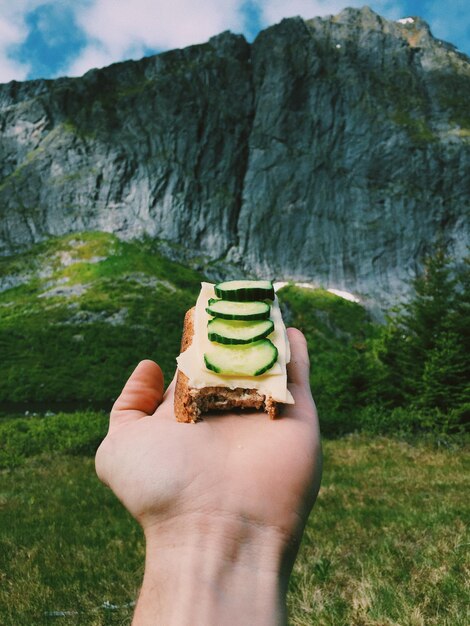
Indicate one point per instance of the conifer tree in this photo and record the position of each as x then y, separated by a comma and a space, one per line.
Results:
426, 346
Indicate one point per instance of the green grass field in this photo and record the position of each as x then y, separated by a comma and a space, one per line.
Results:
386, 544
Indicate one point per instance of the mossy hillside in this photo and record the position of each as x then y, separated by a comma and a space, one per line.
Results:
85, 310
88, 307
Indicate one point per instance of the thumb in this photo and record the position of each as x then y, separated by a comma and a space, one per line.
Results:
141, 396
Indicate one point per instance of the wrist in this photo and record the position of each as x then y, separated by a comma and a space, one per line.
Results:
214, 570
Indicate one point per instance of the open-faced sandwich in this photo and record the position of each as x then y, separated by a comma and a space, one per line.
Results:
234, 351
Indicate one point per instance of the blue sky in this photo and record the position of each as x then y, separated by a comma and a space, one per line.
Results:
50, 38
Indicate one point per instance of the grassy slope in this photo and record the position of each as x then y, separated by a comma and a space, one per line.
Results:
385, 544
89, 309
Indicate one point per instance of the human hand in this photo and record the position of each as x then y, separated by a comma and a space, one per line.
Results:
222, 503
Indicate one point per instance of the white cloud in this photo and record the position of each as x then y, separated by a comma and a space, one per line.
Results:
275, 10
11, 69
92, 56
119, 29
53, 23
11, 33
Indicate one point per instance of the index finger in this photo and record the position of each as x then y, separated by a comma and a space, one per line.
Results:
298, 370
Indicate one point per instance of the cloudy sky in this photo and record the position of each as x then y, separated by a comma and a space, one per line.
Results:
50, 38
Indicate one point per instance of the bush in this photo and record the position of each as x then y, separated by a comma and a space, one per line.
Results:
74, 433
405, 421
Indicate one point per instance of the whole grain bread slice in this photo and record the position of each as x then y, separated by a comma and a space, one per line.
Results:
191, 403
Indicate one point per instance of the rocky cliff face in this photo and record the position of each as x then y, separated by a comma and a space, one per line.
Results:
332, 150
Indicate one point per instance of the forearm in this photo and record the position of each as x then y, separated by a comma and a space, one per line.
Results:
201, 594
229, 573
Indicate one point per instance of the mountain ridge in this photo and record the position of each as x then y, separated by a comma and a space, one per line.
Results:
332, 150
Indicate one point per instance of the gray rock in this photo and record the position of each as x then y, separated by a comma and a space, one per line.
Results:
333, 150
118, 318
64, 291
10, 281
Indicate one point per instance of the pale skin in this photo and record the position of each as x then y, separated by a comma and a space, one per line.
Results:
222, 503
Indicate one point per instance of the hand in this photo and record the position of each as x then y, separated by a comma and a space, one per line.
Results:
222, 503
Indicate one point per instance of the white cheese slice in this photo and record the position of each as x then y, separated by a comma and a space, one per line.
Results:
191, 362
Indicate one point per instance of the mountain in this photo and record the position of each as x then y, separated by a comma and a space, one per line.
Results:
333, 150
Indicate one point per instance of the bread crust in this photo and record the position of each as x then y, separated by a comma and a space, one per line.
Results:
190, 403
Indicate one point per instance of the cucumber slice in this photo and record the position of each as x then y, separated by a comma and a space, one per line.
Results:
245, 290
238, 332
224, 309
252, 359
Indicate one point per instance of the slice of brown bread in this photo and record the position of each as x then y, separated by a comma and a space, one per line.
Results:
191, 403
